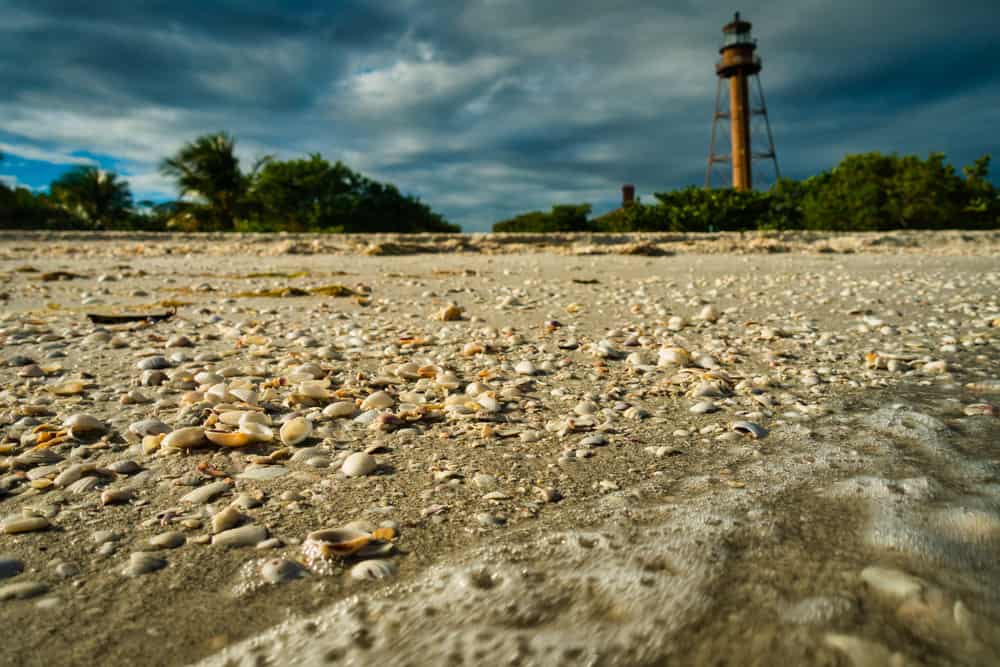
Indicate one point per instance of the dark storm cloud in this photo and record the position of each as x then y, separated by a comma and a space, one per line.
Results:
488, 108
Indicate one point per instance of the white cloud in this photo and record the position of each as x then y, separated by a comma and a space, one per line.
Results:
408, 83
44, 155
9, 181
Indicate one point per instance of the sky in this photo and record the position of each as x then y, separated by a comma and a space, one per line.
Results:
486, 108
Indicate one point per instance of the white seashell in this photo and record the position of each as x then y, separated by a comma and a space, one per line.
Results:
255, 418
248, 396
83, 423
448, 380
706, 361
206, 377
295, 431
367, 417
637, 358
218, 393
378, 401
148, 427
280, 570
475, 388
225, 519
339, 409
184, 438
143, 562
231, 417
409, 371
204, 494
525, 368
359, 464
257, 431
708, 314
244, 536
313, 389
673, 356
488, 404
585, 408
676, 323
373, 569
755, 431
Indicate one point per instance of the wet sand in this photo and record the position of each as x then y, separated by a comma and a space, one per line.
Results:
585, 516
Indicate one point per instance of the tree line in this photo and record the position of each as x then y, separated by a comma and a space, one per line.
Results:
865, 192
216, 194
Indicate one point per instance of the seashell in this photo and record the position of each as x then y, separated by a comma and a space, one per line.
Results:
380, 400
83, 423
25, 525
148, 427
448, 380
152, 363
231, 417
676, 323
280, 570
344, 542
472, 349
144, 562
706, 361
184, 438
169, 540
986, 409
72, 474
295, 431
228, 518
525, 368
230, 438
218, 393
83, 485
244, 536
708, 314
673, 356
208, 378
703, 408
315, 389
22, 590
248, 396
257, 431
449, 313
339, 409
204, 494
117, 496
755, 431
252, 417
408, 371
359, 464
637, 359
488, 404
70, 388
369, 570
34, 457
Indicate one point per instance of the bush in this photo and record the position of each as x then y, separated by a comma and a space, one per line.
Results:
562, 218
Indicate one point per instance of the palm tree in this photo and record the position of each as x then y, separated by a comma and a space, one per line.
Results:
208, 170
96, 195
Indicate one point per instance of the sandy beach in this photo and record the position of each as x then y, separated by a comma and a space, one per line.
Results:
487, 449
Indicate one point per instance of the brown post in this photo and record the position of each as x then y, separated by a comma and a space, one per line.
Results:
628, 195
739, 110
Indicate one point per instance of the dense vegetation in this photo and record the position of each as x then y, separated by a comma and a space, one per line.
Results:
216, 194
868, 192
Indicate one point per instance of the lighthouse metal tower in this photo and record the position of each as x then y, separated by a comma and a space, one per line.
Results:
739, 64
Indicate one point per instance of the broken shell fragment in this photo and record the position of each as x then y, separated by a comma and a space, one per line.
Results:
755, 431
369, 570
